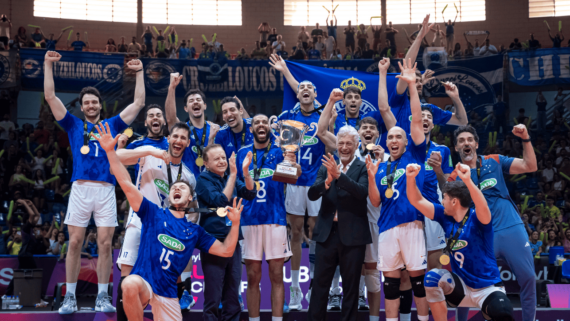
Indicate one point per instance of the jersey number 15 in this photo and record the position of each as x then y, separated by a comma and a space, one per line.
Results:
166, 259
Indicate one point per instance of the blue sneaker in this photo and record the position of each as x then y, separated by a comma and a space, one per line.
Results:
285, 307
241, 302
220, 307
186, 301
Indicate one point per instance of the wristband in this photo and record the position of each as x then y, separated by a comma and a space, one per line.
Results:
526, 140
140, 70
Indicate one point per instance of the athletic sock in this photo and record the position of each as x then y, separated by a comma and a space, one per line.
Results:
361, 286
254, 319
405, 317
423, 317
461, 314
295, 278
70, 288
103, 288
392, 319
185, 275
121, 315
374, 318
335, 285
276, 318
312, 246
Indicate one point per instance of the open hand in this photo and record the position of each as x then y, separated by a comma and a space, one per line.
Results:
234, 212
425, 28
106, 139
247, 162
408, 71
371, 168
332, 167
276, 62
427, 76
232, 162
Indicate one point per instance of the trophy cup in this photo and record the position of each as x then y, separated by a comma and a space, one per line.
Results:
291, 138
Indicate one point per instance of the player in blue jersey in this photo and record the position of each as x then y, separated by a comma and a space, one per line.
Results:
401, 241
168, 239
264, 219
511, 239
236, 132
474, 280
202, 133
93, 189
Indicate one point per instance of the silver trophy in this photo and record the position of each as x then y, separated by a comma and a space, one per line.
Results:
291, 138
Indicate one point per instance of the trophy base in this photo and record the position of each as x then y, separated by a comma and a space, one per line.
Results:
285, 174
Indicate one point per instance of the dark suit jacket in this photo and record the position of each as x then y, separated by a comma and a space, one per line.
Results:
347, 195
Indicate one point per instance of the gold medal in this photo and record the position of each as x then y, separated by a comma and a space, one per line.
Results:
199, 162
256, 185
128, 132
444, 259
222, 212
370, 146
389, 192
84, 150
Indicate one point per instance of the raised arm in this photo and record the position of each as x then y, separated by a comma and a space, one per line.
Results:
129, 114
227, 247
59, 37
132, 156
57, 108
409, 76
414, 195
371, 170
459, 118
413, 51
528, 163
280, 65
170, 104
326, 136
383, 106
107, 142
481, 208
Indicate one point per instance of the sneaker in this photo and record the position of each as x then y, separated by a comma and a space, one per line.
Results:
334, 303
69, 304
308, 296
241, 302
103, 303
285, 307
362, 303
186, 301
296, 298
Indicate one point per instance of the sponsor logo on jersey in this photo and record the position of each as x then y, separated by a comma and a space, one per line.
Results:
265, 172
195, 149
95, 134
171, 242
399, 173
459, 245
488, 183
307, 140
162, 186
428, 168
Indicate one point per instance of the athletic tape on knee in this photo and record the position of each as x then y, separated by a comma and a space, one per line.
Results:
372, 280
391, 288
497, 307
406, 300
121, 315
418, 286
437, 282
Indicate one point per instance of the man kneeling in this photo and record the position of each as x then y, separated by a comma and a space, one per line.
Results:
474, 280
168, 239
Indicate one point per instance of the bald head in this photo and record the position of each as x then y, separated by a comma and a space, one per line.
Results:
397, 130
396, 142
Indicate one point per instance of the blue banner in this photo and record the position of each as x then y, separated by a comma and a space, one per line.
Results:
540, 67
75, 70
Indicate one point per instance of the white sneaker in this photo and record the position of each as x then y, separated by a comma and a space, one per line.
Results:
295, 299
308, 296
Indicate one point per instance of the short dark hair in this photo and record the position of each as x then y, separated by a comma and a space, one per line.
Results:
91, 91
463, 129
521, 110
180, 125
153, 106
259, 114
550, 198
369, 120
186, 183
230, 99
351, 89
457, 189
427, 107
194, 92
208, 148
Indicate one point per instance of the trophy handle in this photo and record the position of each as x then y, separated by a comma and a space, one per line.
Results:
273, 121
315, 127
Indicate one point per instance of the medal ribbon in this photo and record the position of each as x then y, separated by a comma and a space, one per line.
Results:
357, 127
478, 173
451, 242
200, 143
86, 134
257, 172
242, 137
390, 177
170, 174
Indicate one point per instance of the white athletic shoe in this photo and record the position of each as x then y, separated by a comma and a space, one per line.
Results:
308, 296
296, 299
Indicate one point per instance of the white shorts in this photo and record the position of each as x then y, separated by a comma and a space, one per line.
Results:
271, 239
474, 298
163, 309
435, 236
297, 201
403, 245
371, 255
91, 197
130, 249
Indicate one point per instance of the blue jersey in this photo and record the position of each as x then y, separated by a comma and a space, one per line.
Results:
268, 207
191, 152
50, 44
473, 255
166, 247
492, 182
341, 120
430, 190
93, 166
161, 143
397, 210
232, 142
312, 151
183, 52
78, 45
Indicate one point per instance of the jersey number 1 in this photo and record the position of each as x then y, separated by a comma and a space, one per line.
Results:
166, 259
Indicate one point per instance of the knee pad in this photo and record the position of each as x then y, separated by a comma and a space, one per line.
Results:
372, 280
438, 283
406, 300
418, 286
497, 307
391, 288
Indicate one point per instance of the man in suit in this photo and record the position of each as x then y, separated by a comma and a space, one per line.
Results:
342, 230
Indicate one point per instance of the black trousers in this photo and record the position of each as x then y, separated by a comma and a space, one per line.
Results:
328, 255
222, 276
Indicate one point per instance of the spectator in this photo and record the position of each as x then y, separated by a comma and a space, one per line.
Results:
551, 241
51, 42
39, 190
184, 51
110, 46
330, 45
258, 52
551, 211
450, 32
272, 36
488, 49
563, 146
566, 240
388, 51
298, 52
172, 52
57, 247
349, 37
122, 47
457, 53
313, 53
320, 46
557, 40
362, 36
331, 28
15, 245
391, 35
279, 44
559, 185
348, 55
303, 36
515, 45
52, 232
549, 171
134, 47
540, 111
242, 55
90, 244
315, 33
367, 53
5, 25
521, 118
6, 127
21, 39
77, 45
533, 43
263, 30
438, 37
377, 33
357, 54
37, 39
147, 37
535, 244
